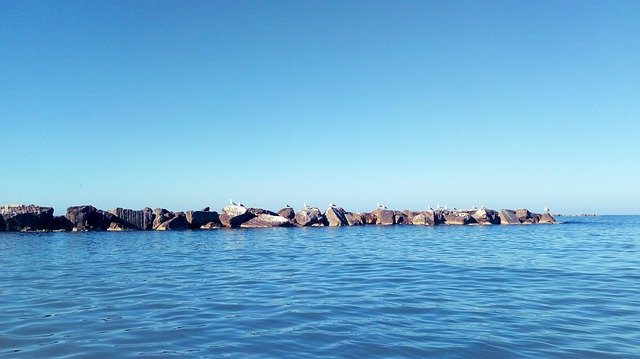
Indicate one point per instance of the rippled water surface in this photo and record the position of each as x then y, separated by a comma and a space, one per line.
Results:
571, 289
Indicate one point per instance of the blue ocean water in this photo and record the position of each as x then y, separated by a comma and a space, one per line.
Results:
566, 290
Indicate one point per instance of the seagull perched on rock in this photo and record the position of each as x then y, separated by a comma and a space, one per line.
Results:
382, 206
429, 208
304, 204
482, 207
546, 209
240, 204
332, 205
231, 202
287, 205
454, 209
474, 207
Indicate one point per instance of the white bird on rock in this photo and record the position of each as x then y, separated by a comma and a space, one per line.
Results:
546, 209
429, 208
231, 202
304, 204
287, 205
332, 205
474, 207
454, 209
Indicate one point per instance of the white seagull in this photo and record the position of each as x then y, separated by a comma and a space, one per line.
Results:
332, 205
287, 205
546, 209
429, 208
304, 204
474, 207
231, 202
454, 209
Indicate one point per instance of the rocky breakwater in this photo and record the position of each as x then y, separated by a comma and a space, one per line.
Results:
88, 218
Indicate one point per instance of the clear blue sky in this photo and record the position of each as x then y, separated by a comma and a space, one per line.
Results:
185, 104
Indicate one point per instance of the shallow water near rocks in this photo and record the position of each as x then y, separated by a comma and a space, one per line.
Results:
569, 290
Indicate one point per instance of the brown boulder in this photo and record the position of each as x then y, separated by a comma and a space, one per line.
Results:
309, 216
403, 217
26, 217
523, 214
354, 219
197, 219
486, 216
161, 215
287, 213
547, 218
335, 217
234, 216
426, 218
266, 220
369, 218
458, 218
88, 218
177, 223
508, 216
385, 217
135, 219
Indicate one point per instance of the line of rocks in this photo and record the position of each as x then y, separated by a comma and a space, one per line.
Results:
89, 218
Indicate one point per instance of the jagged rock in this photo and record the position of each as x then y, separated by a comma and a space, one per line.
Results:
535, 217
287, 213
547, 218
384, 217
309, 216
61, 223
354, 219
88, 218
26, 217
523, 214
3, 226
458, 218
419, 220
402, 217
335, 217
135, 219
234, 216
177, 223
486, 216
439, 216
369, 218
266, 220
426, 218
206, 209
197, 219
508, 216
161, 215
